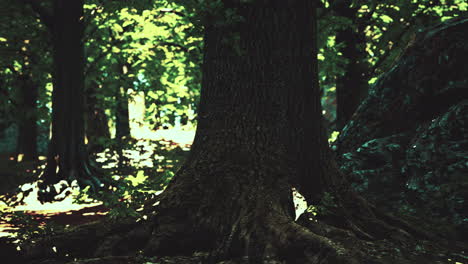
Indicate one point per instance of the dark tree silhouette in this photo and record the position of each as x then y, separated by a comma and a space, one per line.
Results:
97, 128
27, 116
352, 87
67, 157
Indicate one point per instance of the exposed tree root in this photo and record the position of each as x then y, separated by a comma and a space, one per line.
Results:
271, 240
259, 230
347, 210
301, 245
80, 242
268, 241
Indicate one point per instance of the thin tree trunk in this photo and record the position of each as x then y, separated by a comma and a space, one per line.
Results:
122, 118
352, 87
27, 118
97, 128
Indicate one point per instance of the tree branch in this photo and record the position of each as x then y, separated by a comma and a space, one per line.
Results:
405, 30
387, 53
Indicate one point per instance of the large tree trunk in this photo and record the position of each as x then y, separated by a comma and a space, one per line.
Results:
67, 158
259, 134
27, 118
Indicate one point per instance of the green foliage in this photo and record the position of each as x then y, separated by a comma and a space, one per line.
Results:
156, 47
333, 137
154, 50
24, 54
387, 28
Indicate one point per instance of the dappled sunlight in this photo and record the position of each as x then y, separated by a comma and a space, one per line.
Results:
140, 128
66, 210
149, 151
31, 202
143, 152
300, 203
177, 135
180, 136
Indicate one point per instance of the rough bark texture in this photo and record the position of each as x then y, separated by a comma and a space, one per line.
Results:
407, 143
67, 157
259, 134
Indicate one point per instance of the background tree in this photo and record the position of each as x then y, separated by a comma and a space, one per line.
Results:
24, 78
158, 50
27, 135
96, 120
67, 158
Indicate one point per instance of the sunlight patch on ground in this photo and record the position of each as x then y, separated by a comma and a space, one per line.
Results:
300, 203
177, 135
142, 155
31, 202
32, 206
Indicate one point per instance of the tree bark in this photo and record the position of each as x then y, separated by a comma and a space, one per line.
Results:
67, 157
259, 134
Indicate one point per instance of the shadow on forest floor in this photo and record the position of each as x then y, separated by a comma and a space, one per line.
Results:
147, 168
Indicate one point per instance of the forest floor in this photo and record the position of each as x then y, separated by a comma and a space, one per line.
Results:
32, 218
19, 178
